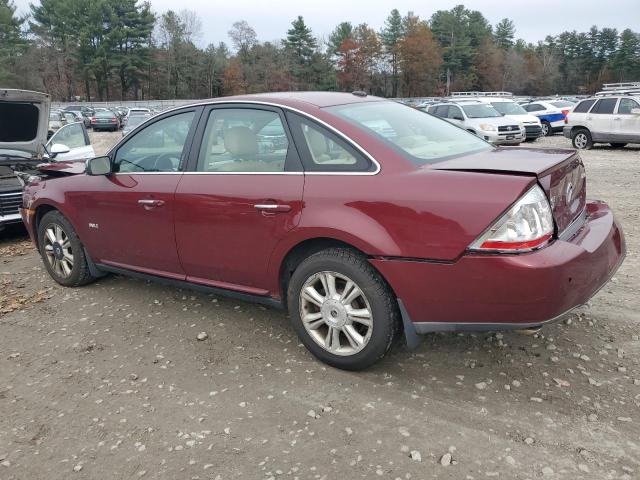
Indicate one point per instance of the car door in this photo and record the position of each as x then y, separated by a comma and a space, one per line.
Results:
73, 136
600, 118
454, 115
242, 195
129, 214
626, 124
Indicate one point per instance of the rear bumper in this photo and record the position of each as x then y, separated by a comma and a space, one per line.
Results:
493, 292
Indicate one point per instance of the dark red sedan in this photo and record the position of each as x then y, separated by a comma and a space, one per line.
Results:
363, 217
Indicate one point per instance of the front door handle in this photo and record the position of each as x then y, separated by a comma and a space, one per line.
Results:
272, 207
149, 203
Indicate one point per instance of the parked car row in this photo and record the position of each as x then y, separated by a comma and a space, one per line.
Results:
493, 116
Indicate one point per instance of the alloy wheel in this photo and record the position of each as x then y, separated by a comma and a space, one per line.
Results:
58, 250
336, 313
545, 129
580, 140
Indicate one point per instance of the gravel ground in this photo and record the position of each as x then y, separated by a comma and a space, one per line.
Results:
110, 381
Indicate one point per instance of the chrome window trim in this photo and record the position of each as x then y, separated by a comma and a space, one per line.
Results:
349, 140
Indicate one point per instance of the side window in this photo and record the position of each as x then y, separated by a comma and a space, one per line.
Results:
626, 105
584, 106
243, 140
156, 148
441, 111
71, 135
604, 106
534, 107
454, 112
325, 151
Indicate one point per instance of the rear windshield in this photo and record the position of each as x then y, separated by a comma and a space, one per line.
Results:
137, 120
18, 122
561, 104
416, 135
480, 110
105, 114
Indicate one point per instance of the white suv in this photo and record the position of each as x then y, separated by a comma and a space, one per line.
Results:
609, 118
482, 119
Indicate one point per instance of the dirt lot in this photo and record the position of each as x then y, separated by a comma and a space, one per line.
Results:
109, 381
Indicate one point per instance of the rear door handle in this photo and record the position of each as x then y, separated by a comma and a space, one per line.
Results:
617, 118
272, 207
150, 203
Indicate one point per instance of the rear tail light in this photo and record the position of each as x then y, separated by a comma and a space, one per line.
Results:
113, 120
565, 112
527, 225
566, 119
93, 119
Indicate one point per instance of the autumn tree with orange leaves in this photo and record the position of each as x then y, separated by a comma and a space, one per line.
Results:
420, 59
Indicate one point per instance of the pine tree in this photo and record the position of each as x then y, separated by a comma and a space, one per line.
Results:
392, 34
300, 46
504, 34
11, 41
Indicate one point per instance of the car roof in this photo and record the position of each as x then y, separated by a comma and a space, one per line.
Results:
299, 99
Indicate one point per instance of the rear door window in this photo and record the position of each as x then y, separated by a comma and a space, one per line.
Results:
605, 106
441, 111
243, 140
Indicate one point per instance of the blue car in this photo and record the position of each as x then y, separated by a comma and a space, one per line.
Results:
550, 112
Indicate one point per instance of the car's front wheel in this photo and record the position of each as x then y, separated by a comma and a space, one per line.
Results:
342, 309
62, 251
581, 139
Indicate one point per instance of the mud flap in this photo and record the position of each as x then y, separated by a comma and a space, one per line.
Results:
412, 339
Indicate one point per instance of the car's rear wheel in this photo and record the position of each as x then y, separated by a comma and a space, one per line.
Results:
581, 139
342, 309
546, 128
618, 145
62, 251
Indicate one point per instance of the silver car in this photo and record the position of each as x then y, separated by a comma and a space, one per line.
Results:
482, 119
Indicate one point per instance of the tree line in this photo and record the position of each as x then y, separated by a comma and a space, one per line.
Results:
122, 49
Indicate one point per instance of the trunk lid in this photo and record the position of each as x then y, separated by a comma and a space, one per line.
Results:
560, 173
24, 122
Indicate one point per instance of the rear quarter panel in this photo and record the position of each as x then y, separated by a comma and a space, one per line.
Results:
425, 214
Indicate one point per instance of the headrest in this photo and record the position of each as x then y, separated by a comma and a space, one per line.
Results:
317, 143
240, 141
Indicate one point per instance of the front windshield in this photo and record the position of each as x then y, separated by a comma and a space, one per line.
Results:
480, 110
509, 108
418, 136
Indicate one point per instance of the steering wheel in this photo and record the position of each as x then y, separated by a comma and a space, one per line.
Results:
161, 161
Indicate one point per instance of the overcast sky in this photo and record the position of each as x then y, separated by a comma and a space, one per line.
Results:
534, 19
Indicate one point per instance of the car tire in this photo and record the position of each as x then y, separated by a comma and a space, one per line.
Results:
581, 139
546, 128
618, 145
362, 339
62, 252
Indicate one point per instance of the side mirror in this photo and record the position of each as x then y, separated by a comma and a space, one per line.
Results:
635, 111
58, 148
98, 166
